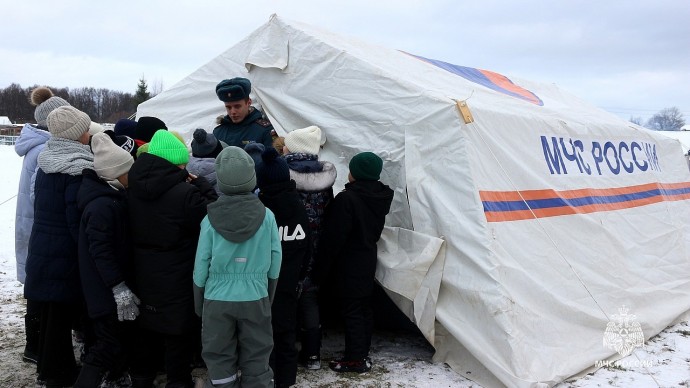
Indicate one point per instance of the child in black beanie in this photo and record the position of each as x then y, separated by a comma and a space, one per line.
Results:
205, 148
278, 193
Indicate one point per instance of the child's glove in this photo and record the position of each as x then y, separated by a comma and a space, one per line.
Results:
306, 285
126, 302
309, 285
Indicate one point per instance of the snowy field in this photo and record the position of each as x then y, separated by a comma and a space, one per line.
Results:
400, 359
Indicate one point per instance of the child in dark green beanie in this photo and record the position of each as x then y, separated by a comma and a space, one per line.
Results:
236, 271
352, 225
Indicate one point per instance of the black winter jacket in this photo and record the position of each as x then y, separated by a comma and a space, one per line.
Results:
104, 248
165, 212
352, 225
295, 236
52, 273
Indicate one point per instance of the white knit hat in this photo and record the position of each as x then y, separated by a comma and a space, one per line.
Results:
68, 122
109, 160
95, 128
305, 140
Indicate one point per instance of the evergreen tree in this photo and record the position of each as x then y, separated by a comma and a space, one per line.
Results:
142, 94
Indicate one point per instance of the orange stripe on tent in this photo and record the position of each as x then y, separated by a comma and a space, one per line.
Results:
570, 210
571, 194
507, 84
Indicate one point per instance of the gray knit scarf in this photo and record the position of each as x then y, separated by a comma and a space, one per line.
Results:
65, 156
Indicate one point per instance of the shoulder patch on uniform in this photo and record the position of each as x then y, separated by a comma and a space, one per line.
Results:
263, 122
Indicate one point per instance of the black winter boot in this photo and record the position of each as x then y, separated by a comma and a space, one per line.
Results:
310, 355
142, 382
181, 384
90, 376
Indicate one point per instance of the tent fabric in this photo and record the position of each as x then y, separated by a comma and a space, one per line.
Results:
516, 240
683, 138
410, 269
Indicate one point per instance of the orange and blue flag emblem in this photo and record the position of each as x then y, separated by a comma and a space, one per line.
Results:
490, 79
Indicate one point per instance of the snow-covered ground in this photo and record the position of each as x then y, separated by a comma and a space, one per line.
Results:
401, 359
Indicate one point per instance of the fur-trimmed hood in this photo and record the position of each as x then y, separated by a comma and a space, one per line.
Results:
315, 181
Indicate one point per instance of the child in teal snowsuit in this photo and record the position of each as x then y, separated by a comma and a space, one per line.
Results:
235, 275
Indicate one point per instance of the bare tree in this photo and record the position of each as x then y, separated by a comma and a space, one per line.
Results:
667, 119
156, 87
14, 103
102, 105
636, 120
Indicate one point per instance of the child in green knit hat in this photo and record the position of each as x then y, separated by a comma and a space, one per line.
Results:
169, 147
166, 206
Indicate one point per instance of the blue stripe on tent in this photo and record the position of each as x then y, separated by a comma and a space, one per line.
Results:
505, 206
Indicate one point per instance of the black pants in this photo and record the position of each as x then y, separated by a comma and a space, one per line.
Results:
32, 326
178, 351
359, 322
56, 364
309, 322
284, 321
111, 346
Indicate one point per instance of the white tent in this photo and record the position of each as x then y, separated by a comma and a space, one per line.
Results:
530, 231
683, 136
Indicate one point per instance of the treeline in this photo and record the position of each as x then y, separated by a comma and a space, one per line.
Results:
102, 105
667, 119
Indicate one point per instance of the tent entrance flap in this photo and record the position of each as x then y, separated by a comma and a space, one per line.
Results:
410, 268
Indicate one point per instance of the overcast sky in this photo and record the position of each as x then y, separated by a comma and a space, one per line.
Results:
629, 57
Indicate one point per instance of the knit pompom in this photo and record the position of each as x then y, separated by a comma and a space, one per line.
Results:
272, 169
269, 155
200, 136
40, 95
205, 145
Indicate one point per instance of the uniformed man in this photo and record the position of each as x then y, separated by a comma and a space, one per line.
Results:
243, 123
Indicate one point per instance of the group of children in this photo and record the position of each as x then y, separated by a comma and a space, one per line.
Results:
223, 251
